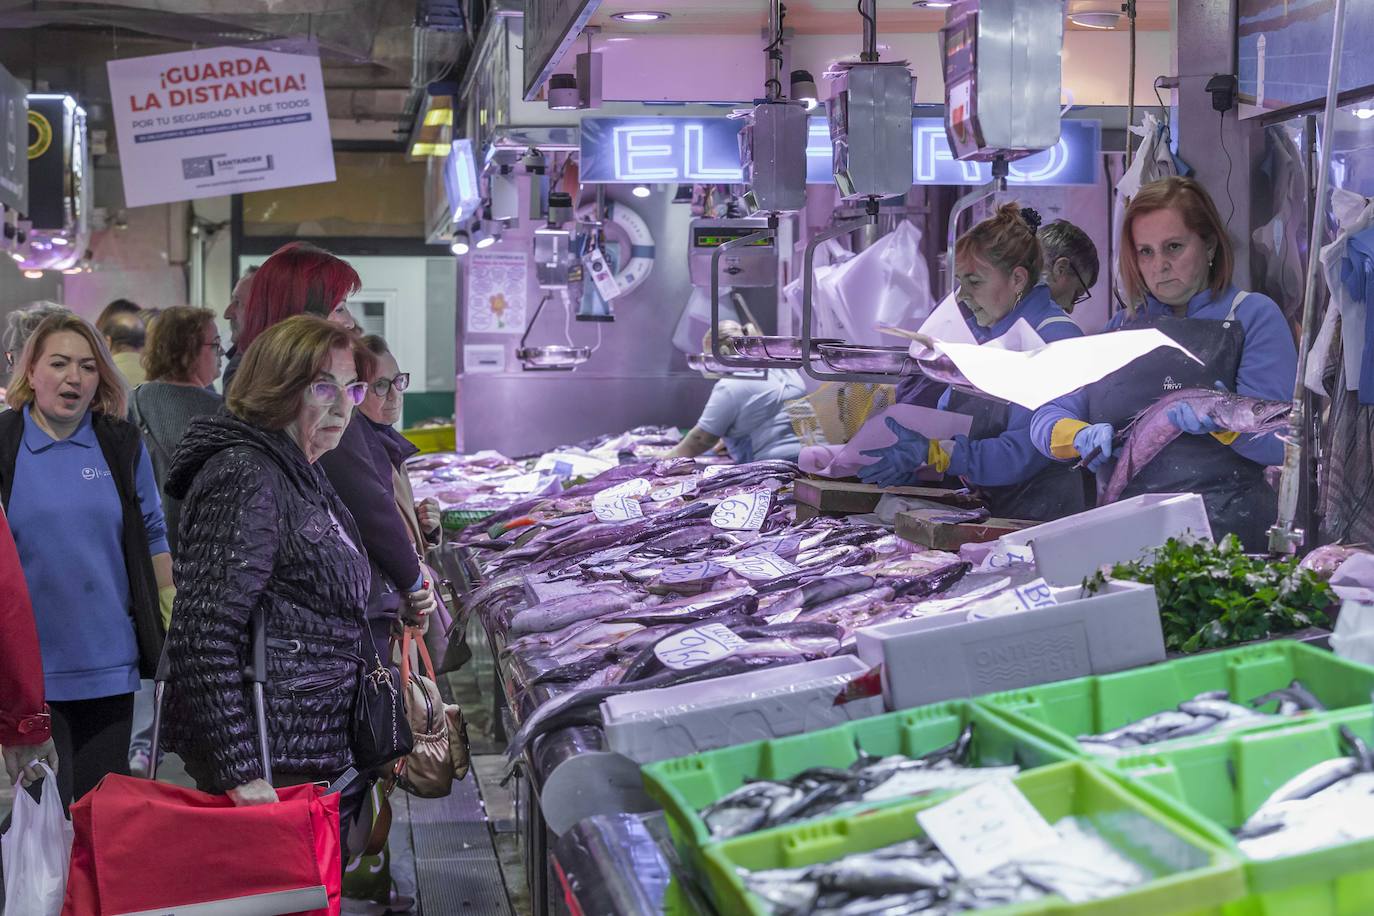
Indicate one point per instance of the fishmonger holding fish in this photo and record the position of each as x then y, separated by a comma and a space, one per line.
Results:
1191, 433
999, 266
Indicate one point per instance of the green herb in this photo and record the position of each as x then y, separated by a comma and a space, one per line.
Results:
1213, 595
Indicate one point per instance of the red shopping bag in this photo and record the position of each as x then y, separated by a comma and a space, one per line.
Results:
145, 847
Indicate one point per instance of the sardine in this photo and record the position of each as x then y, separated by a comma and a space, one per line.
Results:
1152, 431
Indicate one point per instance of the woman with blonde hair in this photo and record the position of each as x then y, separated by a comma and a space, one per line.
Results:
1176, 265
78, 487
998, 265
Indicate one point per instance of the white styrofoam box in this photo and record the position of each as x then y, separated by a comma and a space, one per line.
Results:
1068, 549
652, 725
946, 657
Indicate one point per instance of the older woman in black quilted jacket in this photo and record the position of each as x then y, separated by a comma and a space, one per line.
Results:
262, 527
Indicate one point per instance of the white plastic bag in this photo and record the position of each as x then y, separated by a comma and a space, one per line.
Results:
36, 851
1353, 637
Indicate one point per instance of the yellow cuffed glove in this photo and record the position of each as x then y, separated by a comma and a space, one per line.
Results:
937, 457
1225, 436
165, 598
1062, 436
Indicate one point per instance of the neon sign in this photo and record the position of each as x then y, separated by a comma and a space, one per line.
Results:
706, 150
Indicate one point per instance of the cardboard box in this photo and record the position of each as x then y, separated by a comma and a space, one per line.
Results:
1070, 549
924, 528
848, 497
652, 725
945, 657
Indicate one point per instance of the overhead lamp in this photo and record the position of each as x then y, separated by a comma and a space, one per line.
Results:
641, 16
33, 275
462, 243
74, 270
17, 256
60, 241
641, 190
934, 4
804, 88
563, 95
493, 229
1364, 114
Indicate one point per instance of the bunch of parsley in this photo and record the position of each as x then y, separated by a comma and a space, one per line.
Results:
1213, 595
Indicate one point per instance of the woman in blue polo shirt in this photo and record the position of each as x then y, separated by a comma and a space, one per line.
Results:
78, 487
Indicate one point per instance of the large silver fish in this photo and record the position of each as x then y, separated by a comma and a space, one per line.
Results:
1152, 429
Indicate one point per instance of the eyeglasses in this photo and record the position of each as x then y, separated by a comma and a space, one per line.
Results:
325, 394
382, 387
9, 358
1086, 294
217, 346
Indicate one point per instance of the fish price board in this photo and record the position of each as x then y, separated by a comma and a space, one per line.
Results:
698, 646
617, 509
986, 827
744, 512
761, 566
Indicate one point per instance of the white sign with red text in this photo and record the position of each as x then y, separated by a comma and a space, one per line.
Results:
219, 121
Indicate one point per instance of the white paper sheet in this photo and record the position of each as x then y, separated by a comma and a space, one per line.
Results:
1035, 377
945, 323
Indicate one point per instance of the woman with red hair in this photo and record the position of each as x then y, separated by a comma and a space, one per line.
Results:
299, 279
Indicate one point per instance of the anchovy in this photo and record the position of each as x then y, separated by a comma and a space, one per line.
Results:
1151, 431
1295, 693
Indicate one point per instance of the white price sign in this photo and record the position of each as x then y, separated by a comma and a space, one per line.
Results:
673, 490
745, 512
986, 827
760, 566
698, 646
617, 509
716, 470
690, 572
637, 486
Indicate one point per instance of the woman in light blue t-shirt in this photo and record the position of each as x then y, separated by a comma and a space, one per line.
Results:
747, 414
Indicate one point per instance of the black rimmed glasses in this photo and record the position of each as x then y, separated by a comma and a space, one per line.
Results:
1086, 292
382, 387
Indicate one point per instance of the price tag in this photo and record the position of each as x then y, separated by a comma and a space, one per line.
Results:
1029, 597
716, 470
745, 512
986, 827
673, 490
637, 486
523, 483
617, 509
759, 567
698, 646
690, 572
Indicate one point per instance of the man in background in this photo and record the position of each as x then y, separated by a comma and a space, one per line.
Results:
122, 325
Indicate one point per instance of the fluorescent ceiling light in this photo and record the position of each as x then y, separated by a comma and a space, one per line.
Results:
33, 274
934, 4
641, 190
461, 243
641, 16
1096, 19
1364, 114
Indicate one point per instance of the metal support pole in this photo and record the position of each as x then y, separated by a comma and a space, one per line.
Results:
868, 9
772, 86
1129, 9
1285, 537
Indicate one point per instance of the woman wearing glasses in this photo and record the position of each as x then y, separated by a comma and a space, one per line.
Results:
261, 527
998, 264
1070, 262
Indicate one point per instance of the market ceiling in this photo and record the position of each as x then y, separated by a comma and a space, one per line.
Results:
821, 17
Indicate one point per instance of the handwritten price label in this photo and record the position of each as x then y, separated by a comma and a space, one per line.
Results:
986, 827
698, 646
617, 509
716, 470
673, 490
637, 486
762, 566
745, 512
690, 572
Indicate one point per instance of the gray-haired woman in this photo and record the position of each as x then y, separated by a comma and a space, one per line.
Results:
1070, 259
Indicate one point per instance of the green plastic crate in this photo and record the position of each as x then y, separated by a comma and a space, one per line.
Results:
458, 519
685, 785
1196, 875
1059, 712
1224, 781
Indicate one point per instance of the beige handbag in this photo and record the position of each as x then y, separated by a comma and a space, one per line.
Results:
441, 752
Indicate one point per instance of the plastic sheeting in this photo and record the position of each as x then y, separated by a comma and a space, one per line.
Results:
887, 283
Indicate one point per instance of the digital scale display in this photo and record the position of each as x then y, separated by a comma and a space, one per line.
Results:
715, 237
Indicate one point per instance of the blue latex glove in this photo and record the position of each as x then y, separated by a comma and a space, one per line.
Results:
898, 461
1096, 437
1185, 418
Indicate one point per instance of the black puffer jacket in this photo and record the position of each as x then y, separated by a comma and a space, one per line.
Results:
256, 528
